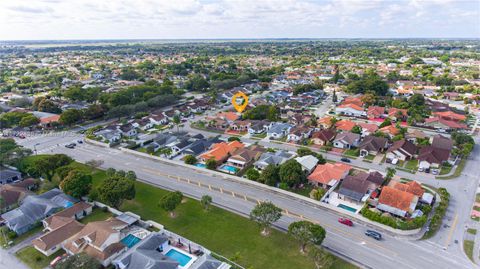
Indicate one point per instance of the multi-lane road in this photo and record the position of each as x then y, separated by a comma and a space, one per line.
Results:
393, 251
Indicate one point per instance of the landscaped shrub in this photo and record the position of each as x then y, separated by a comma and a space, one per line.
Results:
11, 235
436, 221
396, 223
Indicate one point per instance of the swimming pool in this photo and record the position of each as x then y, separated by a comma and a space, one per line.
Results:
351, 209
130, 240
228, 169
201, 165
176, 255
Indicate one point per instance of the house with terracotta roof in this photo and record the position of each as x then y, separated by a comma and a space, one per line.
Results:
450, 115
412, 187
367, 128
353, 100
325, 122
401, 150
375, 112
46, 119
350, 110
397, 114
228, 116
221, 151
390, 130
344, 125
328, 175
443, 124
323, 137
397, 202
99, 239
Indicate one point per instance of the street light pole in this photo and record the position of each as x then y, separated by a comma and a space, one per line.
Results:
35, 148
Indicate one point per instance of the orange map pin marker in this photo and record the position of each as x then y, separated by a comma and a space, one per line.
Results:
240, 107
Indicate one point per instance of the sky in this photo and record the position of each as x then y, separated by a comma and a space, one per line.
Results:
217, 19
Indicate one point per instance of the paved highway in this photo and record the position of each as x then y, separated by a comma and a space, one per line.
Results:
400, 252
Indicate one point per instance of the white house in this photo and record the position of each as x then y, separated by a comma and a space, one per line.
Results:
350, 110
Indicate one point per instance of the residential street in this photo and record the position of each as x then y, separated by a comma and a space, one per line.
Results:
438, 252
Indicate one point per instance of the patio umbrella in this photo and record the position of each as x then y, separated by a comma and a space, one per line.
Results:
179, 241
189, 248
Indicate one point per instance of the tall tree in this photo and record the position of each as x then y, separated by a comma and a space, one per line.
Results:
76, 184
170, 201
46, 165
115, 189
306, 232
265, 214
206, 201
176, 120
270, 175
291, 173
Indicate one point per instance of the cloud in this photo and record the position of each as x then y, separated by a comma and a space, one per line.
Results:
29, 9
237, 18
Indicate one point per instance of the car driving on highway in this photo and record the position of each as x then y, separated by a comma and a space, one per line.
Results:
373, 234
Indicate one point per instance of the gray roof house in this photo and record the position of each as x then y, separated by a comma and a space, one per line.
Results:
9, 175
275, 158
35, 208
279, 130
346, 140
149, 254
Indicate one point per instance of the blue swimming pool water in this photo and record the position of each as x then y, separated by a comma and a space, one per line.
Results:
351, 209
228, 168
181, 258
201, 165
130, 240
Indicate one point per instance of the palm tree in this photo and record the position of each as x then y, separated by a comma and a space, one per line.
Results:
176, 121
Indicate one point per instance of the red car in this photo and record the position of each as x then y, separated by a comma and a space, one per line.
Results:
345, 221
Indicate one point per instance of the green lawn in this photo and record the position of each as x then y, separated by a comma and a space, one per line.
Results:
458, 170
352, 152
411, 165
223, 232
468, 248
369, 157
34, 259
445, 169
219, 230
305, 191
472, 231
96, 215
477, 198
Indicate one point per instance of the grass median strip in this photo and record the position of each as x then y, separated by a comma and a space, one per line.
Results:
226, 233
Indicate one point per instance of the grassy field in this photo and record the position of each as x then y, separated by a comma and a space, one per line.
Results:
468, 248
223, 232
34, 259
219, 230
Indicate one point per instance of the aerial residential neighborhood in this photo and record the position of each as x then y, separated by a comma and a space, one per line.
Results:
243, 135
